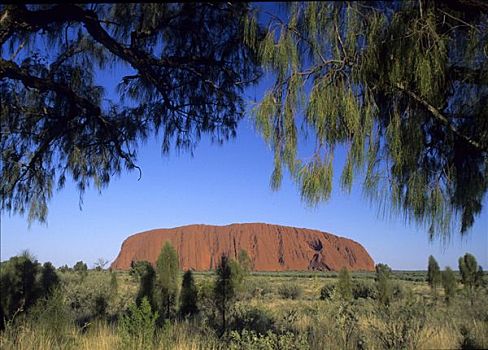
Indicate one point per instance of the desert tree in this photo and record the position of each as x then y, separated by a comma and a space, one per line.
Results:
228, 281
146, 275
81, 269
344, 285
100, 264
167, 279
402, 87
182, 71
49, 278
245, 261
433, 274
469, 270
188, 296
19, 285
383, 284
449, 283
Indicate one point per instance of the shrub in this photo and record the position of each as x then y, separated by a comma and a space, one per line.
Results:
362, 289
249, 340
383, 283
326, 291
290, 291
49, 278
81, 268
138, 325
402, 325
254, 319
100, 306
449, 284
51, 316
344, 285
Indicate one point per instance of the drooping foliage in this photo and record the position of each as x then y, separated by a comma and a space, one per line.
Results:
187, 64
401, 86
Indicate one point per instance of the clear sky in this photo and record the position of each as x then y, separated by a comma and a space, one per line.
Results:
219, 185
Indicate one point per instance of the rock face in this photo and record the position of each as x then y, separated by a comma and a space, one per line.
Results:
270, 247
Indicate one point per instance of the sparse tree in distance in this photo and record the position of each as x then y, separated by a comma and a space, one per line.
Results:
100, 264
245, 261
188, 296
114, 285
449, 284
49, 278
146, 275
81, 268
469, 270
344, 285
229, 279
383, 283
167, 280
433, 274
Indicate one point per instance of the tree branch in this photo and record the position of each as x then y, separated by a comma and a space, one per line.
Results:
11, 70
440, 117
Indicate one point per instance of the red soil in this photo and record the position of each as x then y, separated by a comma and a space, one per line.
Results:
270, 247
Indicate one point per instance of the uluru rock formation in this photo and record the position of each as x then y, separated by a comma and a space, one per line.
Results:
270, 247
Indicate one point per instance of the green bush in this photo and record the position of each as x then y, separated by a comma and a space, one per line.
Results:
364, 290
403, 323
249, 340
290, 291
138, 325
253, 319
326, 291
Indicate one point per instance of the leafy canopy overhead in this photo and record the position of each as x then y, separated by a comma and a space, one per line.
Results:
190, 66
402, 86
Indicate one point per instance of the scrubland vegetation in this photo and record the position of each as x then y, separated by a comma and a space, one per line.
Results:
161, 307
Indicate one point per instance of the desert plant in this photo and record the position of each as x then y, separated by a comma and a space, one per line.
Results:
19, 286
401, 325
138, 325
167, 280
81, 268
383, 283
344, 285
252, 319
146, 275
188, 296
326, 291
449, 284
49, 278
245, 261
229, 279
362, 289
470, 274
290, 290
433, 274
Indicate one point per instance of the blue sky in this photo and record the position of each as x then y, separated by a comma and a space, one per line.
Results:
219, 185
